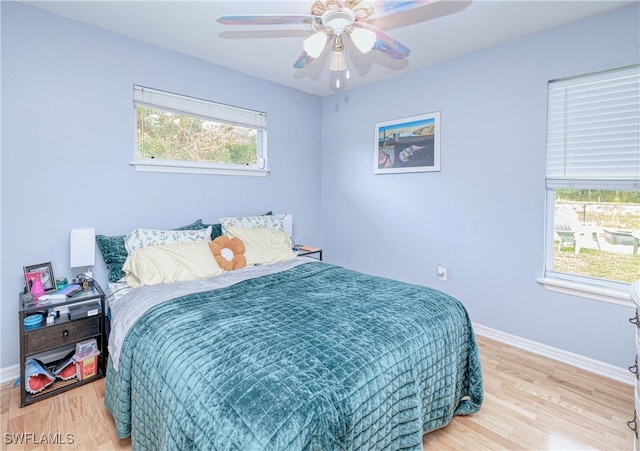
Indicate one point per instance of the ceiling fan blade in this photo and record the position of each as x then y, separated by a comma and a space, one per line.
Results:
384, 8
268, 19
385, 43
302, 60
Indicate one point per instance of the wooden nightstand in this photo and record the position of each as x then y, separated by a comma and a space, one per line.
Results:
308, 251
49, 342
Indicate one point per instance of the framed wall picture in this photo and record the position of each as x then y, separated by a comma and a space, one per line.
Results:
410, 144
46, 276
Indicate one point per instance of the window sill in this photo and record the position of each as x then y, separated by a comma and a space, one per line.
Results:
185, 167
587, 291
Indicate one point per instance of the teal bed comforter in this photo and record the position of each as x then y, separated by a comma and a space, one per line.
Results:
315, 357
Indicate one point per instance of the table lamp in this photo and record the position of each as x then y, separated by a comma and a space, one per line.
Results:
82, 252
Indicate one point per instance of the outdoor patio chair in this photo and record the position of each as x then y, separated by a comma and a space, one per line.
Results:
566, 236
571, 232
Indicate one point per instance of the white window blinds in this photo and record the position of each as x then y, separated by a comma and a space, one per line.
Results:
203, 109
594, 130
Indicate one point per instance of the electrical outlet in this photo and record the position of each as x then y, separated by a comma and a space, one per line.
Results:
442, 272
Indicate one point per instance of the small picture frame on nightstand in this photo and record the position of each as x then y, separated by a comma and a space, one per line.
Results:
46, 276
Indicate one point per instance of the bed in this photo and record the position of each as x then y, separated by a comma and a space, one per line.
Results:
292, 354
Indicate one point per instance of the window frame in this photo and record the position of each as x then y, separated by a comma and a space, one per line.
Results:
570, 283
205, 110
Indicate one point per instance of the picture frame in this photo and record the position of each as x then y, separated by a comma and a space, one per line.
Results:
410, 144
48, 278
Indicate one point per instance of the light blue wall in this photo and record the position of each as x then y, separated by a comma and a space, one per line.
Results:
483, 215
68, 136
67, 131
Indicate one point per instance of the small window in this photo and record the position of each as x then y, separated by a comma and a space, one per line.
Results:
593, 179
176, 133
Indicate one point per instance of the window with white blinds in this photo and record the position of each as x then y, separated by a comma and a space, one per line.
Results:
593, 135
592, 230
204, 109
178, 133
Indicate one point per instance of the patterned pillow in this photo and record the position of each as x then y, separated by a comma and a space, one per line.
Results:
270, 222
139, 238
114, 253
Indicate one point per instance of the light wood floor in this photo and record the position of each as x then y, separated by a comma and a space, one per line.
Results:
530, 403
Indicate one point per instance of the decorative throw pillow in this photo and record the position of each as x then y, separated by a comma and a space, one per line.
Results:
114, 253
228, 253
263, 246
140, 238
270, 222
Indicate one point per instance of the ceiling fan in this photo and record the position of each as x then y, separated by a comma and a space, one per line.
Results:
331, 21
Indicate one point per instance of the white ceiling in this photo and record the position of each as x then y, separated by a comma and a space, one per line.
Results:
434, 33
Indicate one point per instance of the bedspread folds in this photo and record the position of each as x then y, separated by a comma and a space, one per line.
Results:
314, 357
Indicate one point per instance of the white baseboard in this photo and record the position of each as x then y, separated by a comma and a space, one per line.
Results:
9, 373
585, 363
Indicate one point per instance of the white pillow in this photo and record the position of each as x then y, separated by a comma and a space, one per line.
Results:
139, 238
171, 263
270, 222
263, 246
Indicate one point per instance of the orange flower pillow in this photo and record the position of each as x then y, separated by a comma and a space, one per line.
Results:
228, 252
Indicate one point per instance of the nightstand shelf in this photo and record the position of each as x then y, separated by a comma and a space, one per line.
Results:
48, 342
308, 252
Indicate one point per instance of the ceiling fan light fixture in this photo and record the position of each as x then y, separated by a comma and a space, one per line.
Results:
331, 19
363, 39
338, 20
338, 61
314, 44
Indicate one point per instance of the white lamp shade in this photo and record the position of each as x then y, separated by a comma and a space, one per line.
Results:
82, 249
314, 44
363, 39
